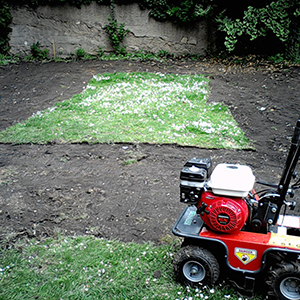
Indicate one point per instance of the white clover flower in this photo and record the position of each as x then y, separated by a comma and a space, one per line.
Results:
100, 77
51, 109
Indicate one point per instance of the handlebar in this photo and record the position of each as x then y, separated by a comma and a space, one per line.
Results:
290, 165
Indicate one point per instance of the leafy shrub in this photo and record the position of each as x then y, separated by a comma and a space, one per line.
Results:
178, 11
5, 20
274, 19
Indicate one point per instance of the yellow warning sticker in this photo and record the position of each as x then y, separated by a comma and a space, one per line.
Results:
245, 255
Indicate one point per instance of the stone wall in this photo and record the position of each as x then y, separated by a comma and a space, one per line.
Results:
65, 29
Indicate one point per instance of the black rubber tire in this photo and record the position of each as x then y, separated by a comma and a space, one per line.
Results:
283, 281
194, 265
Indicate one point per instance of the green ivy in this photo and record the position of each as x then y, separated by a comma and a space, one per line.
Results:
116, 35
5, 21
274, 18
116, 32
181, 12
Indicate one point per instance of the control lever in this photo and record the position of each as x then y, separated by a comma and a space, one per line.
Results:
202, 209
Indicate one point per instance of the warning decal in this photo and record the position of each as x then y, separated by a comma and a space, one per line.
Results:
245, 255
189, 218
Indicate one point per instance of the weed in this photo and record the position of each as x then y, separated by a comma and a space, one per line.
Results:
80, 53
7, 59
129, 161
100, 52
165, 54
36, 53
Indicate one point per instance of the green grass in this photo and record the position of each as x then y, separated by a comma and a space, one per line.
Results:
7, 59
135, 108
90, 268
161, 56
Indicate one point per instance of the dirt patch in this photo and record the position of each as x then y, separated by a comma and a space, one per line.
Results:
124, 191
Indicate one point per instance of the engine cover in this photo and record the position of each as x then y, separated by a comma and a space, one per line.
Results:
223, 214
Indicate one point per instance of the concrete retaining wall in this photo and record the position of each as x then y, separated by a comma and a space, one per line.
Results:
65, 29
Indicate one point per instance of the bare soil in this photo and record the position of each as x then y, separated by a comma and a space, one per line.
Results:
82, 189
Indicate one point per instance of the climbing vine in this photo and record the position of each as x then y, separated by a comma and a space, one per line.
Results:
116, 32
116, 35
278, 21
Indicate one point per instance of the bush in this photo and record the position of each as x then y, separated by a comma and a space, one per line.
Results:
5, 21
275, 24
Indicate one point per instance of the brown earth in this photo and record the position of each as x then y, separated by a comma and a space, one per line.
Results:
79, 189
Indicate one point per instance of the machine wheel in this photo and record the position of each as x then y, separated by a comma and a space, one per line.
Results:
194, 265
284, 281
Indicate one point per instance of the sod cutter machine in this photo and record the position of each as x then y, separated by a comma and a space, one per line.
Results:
231, 231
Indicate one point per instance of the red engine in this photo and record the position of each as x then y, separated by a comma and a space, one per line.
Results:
221, 199
223, 214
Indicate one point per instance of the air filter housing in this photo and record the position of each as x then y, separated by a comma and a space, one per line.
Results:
231, 180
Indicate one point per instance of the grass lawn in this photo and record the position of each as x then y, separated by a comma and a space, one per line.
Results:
135, 108
92, 268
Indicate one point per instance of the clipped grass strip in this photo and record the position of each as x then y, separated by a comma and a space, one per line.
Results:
91, 268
